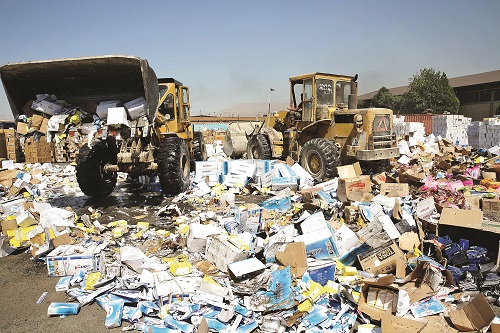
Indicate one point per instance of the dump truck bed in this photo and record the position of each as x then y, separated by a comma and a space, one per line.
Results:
82, 82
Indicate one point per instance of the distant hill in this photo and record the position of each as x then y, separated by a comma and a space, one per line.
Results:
252, 109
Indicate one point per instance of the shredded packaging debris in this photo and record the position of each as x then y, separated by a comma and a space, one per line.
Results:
355, 252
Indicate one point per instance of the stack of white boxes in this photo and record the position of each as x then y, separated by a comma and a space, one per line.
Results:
402, 128
398, 125
453, 127
484, 134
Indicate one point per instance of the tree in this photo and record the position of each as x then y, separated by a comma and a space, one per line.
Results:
383, 99
430, 90
362, 103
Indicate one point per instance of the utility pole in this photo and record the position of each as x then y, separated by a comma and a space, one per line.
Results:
269, 110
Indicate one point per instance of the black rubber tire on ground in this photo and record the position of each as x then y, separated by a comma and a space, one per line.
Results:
91, 177
199, 150
173, 165
320, 158
259, 148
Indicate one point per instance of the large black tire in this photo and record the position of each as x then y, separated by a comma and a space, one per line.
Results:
258, 148
320, 158
90, 162
173, 165
199, 150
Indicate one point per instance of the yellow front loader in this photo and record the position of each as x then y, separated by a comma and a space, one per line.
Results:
323, 127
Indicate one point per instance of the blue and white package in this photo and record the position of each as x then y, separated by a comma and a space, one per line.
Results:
282, 203
77, 277
428, 307
215, 325
58, 309
114, 313
103, 300
241, 310
131, 314
63, 283
171, 322
147, 307
247, 328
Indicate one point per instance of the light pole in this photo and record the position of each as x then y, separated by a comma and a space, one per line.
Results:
269, 110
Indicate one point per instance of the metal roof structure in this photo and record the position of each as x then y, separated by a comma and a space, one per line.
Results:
456, 82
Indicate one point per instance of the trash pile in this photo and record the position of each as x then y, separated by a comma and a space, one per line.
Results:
52, 130
267, 248
26, 190
47, 121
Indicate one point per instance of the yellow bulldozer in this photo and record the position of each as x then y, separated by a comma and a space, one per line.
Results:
154, 136
322, 128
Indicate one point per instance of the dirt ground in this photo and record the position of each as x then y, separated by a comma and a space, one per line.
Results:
23, 280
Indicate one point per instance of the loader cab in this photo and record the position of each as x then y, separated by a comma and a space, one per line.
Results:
322, 94
174, 106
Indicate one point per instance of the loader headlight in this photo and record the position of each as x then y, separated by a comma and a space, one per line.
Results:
358, 122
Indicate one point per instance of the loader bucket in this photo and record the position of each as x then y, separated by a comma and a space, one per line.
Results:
235, 141
82, 81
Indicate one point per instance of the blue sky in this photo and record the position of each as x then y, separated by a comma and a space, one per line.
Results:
231, 52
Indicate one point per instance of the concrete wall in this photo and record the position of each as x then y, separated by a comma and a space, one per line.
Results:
478, 111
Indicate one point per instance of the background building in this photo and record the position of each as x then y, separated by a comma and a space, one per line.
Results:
479, 94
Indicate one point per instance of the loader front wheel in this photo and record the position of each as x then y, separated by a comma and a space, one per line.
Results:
173, 165
199, 150
320, 158
258, 148
90, 162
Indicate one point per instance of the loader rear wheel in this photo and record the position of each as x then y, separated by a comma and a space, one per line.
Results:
90, 162
320, 158
258, 148
173, 165
199, 150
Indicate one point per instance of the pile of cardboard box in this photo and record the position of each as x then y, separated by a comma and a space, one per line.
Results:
214, 136
66, 147
38, 151
484, 134
402, 127
453, 127
9, 144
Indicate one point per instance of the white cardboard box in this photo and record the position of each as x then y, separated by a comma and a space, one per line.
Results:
136, 108
247, 267
197, 236
242, 168
221, 252
68, 259
233, 180
46, 107
117, 116
102, 108
206, 168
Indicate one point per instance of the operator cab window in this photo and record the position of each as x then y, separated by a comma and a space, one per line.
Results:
324, 89
185, 102
167, 106
342, 91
